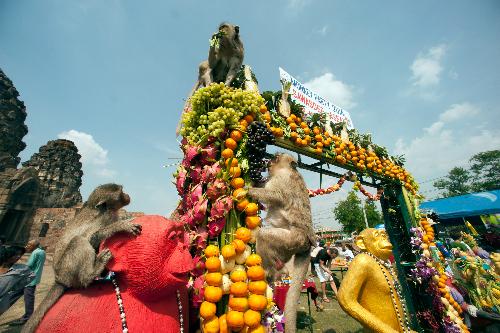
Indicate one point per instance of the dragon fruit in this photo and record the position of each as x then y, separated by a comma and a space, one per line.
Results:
208, 154
181, 180
221, 207
195, 174
189, 154
215, 226
216, 189
199, 266
195, 195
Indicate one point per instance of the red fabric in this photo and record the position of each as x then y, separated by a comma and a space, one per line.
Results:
149, 268
279, 293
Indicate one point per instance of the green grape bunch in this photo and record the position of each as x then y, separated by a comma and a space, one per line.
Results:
215, 108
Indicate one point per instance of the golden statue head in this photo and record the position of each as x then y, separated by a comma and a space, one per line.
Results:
376, 242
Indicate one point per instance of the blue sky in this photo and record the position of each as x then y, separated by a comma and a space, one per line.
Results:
422, 77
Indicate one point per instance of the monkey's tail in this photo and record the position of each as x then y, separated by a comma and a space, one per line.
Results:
298, 274
53, 295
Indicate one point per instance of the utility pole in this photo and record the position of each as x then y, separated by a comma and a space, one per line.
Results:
364, 214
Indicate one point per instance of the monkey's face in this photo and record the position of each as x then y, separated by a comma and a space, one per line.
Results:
281, 162
229, 31
376, 242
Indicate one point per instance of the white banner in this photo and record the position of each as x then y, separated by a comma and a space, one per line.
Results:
313, 103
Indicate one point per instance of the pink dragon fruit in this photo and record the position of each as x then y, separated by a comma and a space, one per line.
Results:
210, 172
199, 266
221, 207
208, 154
189, 154
181, 180
215, 226
194, 195
195, 174
199, 211
201, 238
216, 189
198, 291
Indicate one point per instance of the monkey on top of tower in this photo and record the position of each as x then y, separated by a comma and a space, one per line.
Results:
291, 233
76, 262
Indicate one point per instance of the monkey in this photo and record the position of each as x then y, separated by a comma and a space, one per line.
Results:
76, 262
365, 293
225, 58
291, 233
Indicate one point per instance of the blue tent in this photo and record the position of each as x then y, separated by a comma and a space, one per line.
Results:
474, 204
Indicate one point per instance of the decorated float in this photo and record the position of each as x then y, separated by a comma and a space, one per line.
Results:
225, 130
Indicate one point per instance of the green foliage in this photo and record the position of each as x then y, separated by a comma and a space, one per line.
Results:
485, 171
373, 215
272, 98
482, 175
350, 214
455, 183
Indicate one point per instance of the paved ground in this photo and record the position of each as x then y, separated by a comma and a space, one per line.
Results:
331, 320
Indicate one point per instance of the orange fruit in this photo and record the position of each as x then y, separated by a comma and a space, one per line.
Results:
213, 279
212, 264
253, 260
242, 205
223, 324
252, 318
235, 171
293, 126
227, 153
207, 310
248, 118
257, 329
252, 222
238, 303
238, 276
236, 135
212, 294
243, 124
239, 289
237, 182
244, 234
228, 251
211, 325
211, 251
239, 245
318, 150
263, 108
307, 131
230, 143
257, 287
235, 320
294, 135
233, 161
251, 209
256, 273
257, 302
239, 193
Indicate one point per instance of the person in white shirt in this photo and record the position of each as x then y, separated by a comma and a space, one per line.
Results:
345, 252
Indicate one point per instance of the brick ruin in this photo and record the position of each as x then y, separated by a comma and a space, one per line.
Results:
60, 172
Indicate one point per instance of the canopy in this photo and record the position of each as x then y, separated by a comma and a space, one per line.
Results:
473, 204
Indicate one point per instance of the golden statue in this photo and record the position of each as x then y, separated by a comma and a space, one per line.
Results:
370, 291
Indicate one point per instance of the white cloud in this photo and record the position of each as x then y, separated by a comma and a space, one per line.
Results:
322, 31
94, 156
297, 4
427, 68
336, 91
447, 143
458, 111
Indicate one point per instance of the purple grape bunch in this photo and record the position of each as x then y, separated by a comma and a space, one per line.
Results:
259, 136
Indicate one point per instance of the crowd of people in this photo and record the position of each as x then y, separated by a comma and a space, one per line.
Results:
17, 279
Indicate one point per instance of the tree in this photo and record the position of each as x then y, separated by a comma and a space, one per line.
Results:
373, 215
349, 213
485, 171
455, 183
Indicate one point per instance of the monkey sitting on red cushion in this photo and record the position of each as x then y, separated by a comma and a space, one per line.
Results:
149, 269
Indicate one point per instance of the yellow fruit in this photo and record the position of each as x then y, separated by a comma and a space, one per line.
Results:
248, 118
258, 329
212, 294
230, 143
244, 234
228, 252
213, 279
238, 276
257, 287
211, 251
207, 310
239, 245
212, 264
211, 325
253, 260
237, 182
251, 209
252, 318
227, 153
242, 205
256, 273
257, 302
238, 303
223, 324
233, 161
239, 193
235, 320
239, 289
236, 135
252, 222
